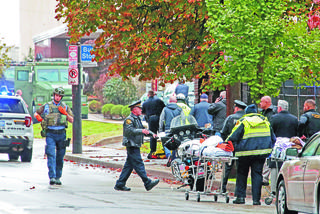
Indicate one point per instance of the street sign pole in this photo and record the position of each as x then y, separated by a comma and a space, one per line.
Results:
76, 107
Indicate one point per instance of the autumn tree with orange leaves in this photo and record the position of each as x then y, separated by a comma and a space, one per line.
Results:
150, 39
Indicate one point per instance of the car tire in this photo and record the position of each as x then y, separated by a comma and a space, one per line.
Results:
13, 156
281, 200
26, 155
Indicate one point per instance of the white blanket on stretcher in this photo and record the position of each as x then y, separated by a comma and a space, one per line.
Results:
212, 151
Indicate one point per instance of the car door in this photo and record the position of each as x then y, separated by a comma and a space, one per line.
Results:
311, 174
294, 171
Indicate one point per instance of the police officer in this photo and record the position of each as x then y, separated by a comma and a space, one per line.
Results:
309, 122
56, 117
253, 140
228, 125
152, 108
231, 120
133, 133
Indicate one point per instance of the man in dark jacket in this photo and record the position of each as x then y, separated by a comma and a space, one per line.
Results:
168, 113
200, 112
309, 122
133, 133
253, 140
152, 108
267, 108
218, 110
284, 124
228, 125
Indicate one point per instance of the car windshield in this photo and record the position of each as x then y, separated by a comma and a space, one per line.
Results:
8, 105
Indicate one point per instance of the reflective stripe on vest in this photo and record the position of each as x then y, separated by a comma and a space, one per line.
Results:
255, 127
253, 152
186, 109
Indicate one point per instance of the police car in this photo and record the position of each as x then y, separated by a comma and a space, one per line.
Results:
16, 130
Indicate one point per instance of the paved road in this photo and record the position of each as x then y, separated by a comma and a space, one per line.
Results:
24, 189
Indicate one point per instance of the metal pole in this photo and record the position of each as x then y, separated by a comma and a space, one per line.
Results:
76, 107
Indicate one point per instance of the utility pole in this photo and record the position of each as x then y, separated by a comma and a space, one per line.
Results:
76, 108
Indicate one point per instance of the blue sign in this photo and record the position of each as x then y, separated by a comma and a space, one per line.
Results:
86, 56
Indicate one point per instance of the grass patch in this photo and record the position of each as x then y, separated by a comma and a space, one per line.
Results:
92, 131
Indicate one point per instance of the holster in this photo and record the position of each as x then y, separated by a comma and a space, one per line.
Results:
63, 144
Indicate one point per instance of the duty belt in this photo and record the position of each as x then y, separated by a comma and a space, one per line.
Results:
60, 131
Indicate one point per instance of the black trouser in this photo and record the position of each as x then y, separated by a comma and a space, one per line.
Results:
243, 165
153, 123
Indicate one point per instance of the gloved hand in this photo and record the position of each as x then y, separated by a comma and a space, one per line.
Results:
226, 146
39, 118
62, 110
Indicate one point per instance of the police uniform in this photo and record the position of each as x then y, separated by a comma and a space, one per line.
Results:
309, 123
228, 125
54, 125
231, 120
133, 139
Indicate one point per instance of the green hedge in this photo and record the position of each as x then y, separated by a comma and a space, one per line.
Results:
125, 111
95, 106
116, 110
106, 109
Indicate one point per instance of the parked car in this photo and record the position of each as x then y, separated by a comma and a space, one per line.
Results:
16, 129
298, 180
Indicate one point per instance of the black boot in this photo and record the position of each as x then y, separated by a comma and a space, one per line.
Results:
152, 184
239, 200
124, 188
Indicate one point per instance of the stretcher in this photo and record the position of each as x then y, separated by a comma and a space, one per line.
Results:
205, 170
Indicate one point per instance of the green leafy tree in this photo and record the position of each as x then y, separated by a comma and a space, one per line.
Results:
263, 43
118, 91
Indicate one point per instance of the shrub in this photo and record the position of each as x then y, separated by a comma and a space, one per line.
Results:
95, 106
106, 110
117, 91
116, 110
125, 111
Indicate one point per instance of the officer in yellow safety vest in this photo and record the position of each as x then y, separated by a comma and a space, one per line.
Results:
253, 140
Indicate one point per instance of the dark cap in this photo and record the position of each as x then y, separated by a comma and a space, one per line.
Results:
135, 104
204, 96
251, 109
240, 104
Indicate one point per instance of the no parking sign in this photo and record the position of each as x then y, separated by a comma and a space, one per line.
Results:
73, 76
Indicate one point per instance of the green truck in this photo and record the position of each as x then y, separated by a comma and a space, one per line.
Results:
37, 80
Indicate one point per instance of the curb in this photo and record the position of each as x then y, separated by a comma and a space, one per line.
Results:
108, 140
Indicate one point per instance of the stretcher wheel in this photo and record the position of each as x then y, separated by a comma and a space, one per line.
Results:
187, 196
215, 198
198, 197
227, 199
268, 201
